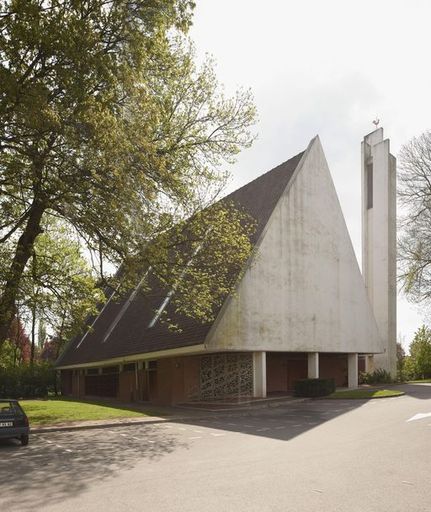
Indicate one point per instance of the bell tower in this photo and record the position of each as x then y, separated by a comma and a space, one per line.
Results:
379, 241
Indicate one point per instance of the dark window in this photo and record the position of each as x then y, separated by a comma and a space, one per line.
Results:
102, 385
369, 186
129, 367
152, 365
110, 369
93, 371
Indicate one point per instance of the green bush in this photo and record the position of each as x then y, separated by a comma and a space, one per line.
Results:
314, 387
27, 381
378, 376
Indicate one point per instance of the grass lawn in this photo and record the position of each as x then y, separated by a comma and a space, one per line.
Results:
51, 411
421, 381
366, 393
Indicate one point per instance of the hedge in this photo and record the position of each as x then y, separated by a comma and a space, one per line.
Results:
314, 387
27, 381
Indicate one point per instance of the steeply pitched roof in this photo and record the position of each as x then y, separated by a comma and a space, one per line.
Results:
131, 335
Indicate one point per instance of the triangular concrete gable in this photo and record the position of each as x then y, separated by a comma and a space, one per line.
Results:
303, 290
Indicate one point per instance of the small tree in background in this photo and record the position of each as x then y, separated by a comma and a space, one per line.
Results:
420, 352
401, 357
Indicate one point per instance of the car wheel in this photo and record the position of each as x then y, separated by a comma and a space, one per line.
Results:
24, 439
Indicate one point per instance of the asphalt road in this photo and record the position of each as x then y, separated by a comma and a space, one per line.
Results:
321, 456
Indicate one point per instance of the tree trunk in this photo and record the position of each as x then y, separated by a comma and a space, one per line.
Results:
33, 334
23, 252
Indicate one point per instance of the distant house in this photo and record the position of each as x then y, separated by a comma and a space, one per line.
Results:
302, 307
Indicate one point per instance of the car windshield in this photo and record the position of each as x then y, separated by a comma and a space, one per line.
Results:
10, 409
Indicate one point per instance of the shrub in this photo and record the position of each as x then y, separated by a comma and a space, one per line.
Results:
379, 376
27, 381
314, 387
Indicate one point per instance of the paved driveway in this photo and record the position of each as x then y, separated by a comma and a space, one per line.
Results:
313, 456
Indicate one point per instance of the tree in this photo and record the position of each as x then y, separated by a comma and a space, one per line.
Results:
107, 124
401, 357
58, 289
20, 343
415, 194
420, 352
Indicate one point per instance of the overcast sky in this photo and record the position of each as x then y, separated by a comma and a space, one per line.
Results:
327, 68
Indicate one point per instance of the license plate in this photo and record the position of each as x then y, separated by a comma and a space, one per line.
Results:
6, 423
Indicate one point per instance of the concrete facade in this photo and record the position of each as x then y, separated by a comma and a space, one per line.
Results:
379, 241
303, 291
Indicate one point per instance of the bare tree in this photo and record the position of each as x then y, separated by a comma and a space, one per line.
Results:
415, 196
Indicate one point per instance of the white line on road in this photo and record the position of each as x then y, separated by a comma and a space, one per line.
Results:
195, 437
217, 435
419, 416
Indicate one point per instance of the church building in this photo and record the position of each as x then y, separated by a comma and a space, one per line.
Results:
302, 307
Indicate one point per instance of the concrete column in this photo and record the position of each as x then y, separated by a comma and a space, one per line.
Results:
369, 364
352, 370
259, 374
313, 365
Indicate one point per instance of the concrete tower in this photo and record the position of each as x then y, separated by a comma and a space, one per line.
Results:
379, 241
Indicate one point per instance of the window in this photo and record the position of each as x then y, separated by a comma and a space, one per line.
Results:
110, 369
92, 371
129, 367
369, 186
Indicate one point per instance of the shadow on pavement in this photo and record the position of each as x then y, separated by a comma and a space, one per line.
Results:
62, 465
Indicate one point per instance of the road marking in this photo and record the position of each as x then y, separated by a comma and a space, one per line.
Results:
69, 451
124, 435
198, 431
195, 437
50, 442
419, 416
58, 446
407, 483
317, 490
297, 425
262, 429
136, 438
217, 435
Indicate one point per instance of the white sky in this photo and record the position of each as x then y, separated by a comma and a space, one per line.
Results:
328, 68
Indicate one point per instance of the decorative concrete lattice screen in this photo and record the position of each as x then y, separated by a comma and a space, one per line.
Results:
226, 375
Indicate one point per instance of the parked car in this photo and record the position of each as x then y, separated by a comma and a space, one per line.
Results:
13, 421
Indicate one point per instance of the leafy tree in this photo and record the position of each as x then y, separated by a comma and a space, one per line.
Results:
401, 356
59, 289
415, 194
107, 124
18, 352
420, 352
